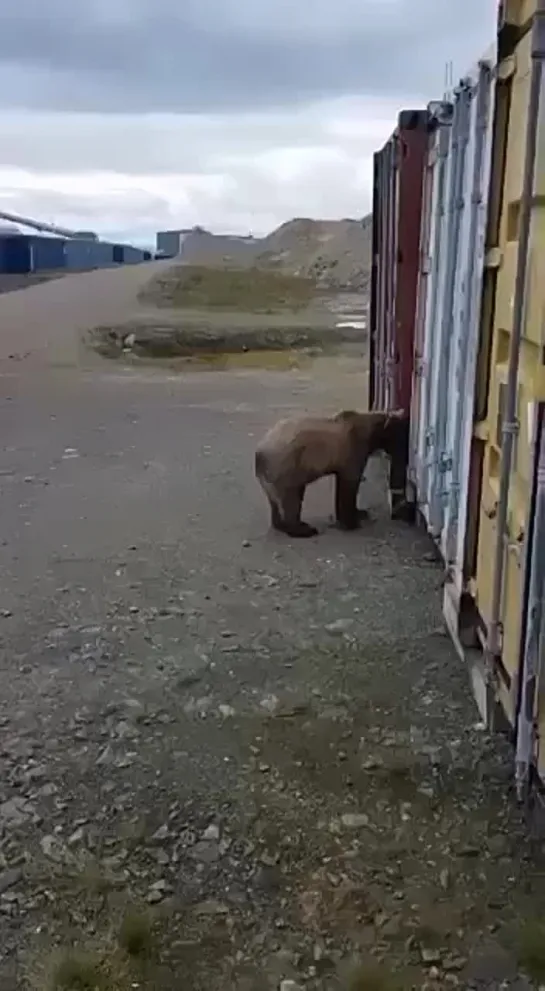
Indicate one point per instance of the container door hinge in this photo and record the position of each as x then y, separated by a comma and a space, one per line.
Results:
425, 266
507, 68
444, 462
493, 258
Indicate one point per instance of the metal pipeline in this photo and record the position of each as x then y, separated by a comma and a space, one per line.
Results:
510, 423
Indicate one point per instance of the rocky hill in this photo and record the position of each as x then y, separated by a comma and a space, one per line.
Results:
334, 253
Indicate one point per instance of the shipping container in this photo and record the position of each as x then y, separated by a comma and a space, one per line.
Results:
118, 254
452, 250
103, 254
15, 254
169, 243
397, 202
81, 254
511, 383
47, 253
397, 199
132, 255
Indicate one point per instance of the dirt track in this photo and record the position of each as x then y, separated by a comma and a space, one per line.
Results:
45, 321
268, 745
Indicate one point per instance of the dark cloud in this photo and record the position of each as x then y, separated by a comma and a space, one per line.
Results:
200, 55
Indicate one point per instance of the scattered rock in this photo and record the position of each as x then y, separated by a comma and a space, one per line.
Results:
430, 955
226, 711
212, 832
355, 820
211, 907
15, 812
206, 852
290, 986
339, 625
9, 878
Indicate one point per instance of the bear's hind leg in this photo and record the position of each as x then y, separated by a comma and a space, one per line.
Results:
292, 524
346, 510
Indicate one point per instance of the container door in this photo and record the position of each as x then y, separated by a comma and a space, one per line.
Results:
424, 265
467, 316
531, 710
433, 317
440, 459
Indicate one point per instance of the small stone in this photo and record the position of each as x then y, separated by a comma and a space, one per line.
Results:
9, 878
15, 812
290, 986
154, 897
371, 764
6, 613
339, 625
455, 963
226, 711
211, 908
429, 955
211, 833
270, 703
76, 837
444, 879
433, 973
129, 341
160, 834
355, 820
206, 852
246, 543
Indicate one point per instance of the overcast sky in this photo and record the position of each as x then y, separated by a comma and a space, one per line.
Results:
127, 116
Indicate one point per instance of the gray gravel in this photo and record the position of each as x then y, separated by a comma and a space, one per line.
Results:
268, 745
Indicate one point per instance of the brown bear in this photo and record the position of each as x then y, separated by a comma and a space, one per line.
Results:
296, 452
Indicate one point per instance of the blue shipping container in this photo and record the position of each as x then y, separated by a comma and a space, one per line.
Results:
132, 255
103, 254
81, 255
47, 254
15, 254
119, 254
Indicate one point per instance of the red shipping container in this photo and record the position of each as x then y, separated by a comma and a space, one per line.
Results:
397, 204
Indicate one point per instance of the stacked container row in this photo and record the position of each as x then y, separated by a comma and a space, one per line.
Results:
472, 314
24, 253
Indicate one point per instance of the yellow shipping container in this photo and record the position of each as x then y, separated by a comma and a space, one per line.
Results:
521, 50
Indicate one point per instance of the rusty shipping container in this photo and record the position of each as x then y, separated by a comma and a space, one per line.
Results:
397, 198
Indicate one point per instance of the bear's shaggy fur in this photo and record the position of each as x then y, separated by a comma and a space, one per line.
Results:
296, 452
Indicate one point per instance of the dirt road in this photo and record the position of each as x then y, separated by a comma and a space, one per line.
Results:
229, 761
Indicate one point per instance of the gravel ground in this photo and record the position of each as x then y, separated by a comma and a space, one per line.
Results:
230, 760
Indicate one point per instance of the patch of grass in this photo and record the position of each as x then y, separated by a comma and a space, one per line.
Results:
77, 971
136, 934
531, 949
251, 290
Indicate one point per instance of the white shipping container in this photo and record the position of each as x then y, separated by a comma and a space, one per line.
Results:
448, 314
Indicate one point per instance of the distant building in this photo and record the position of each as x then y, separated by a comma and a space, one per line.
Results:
169, 243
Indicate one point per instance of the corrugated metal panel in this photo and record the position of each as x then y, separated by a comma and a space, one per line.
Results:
513, 118
15, 254
118, 254
447, 326
397, 198
47, 254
